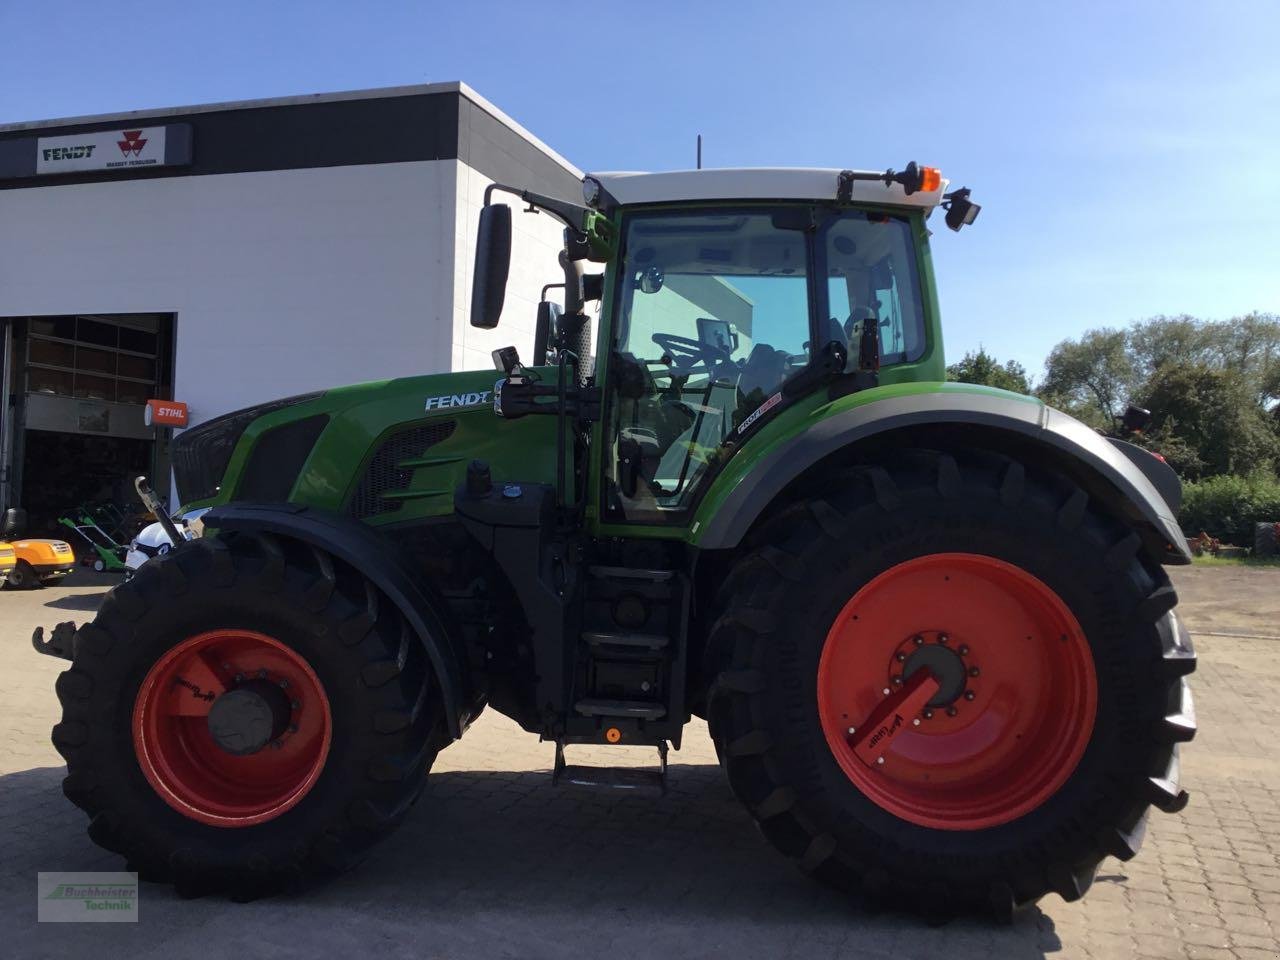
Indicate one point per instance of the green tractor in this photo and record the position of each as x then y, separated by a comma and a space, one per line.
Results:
927, 623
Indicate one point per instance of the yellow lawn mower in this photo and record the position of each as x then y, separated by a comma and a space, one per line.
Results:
35, 562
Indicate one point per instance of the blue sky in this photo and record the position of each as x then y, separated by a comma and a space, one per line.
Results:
1127, 155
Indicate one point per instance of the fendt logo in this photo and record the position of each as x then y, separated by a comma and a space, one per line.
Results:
132, 143
81, 152
458, 400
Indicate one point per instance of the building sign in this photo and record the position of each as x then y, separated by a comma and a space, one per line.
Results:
126, 149
165, 413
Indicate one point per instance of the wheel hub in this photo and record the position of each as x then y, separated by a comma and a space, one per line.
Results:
245, 719
946, 665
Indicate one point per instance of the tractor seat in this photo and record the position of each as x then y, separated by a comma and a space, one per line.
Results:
763, 371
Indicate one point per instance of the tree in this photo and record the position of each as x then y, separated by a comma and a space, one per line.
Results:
1091, 378
1208, 421
982, 367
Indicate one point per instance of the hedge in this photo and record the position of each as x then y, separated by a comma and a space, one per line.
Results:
1227, 507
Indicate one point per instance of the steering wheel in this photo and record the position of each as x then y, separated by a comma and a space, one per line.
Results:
689, 355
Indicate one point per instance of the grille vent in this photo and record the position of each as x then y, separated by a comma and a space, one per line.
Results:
383, 473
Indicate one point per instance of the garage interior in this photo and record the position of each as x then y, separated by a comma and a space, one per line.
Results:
73, 435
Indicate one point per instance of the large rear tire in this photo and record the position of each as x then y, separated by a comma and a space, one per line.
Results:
1061, 696
314, 652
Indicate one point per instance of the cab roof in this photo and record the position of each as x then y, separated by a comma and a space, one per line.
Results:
756, 183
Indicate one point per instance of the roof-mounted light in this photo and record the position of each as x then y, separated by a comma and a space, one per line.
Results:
591, 191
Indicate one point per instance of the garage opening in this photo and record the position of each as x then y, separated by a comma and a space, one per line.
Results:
76, 436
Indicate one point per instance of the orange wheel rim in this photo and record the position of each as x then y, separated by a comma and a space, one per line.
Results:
180, 757
1011, 691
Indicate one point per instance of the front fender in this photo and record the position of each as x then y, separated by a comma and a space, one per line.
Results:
374, 557
736, 510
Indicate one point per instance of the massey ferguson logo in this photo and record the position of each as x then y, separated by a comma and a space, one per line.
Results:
459, 400
132, 143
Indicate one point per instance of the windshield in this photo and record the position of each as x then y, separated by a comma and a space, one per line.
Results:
713, 317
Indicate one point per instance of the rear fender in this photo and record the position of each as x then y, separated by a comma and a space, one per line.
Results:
375, 558
1133, 482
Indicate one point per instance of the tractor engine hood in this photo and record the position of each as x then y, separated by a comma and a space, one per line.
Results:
316, 442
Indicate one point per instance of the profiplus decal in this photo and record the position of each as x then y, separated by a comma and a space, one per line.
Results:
450, 400
759, 412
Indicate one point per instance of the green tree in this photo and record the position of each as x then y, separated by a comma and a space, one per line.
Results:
1207, 421
1091, 378
981, 367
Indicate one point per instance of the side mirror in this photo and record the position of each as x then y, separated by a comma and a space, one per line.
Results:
14, 522
493, 263
544, 330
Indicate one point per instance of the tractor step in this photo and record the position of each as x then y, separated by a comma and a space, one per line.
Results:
636, 780
633, 709
650, 641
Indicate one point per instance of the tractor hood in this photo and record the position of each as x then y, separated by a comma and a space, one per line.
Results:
318, 448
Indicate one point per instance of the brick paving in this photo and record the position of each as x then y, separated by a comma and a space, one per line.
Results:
494, 862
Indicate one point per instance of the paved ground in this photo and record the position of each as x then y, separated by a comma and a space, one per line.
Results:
495, 862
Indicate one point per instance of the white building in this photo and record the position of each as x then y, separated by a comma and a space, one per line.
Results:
227, 254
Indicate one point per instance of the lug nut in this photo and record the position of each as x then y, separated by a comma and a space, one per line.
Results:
879, 759
852, 731
295, 704
969, 694
284, 684
952, 711
293, 728
973, 671
262, 674
915, 722
917, 639
887, 691
964, 650
900, 657
276, 744
226, 666
897, 681
239, 678
928, 714
943, 638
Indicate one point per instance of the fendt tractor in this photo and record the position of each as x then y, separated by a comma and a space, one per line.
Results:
927, 623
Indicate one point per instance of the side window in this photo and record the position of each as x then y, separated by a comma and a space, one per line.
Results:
712, 318
871, 272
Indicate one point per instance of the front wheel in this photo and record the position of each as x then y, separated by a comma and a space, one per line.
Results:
23, 577
246, 713
951, 683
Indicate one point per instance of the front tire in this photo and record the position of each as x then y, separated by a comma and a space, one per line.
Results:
1041, 750
23, 577
321, 751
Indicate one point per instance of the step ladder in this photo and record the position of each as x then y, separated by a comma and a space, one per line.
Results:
635, 780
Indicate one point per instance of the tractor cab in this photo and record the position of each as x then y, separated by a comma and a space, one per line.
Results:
724, 298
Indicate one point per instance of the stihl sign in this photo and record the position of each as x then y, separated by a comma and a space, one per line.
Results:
165, 413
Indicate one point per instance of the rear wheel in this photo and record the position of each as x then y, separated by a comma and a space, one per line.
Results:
950, 683
245, 713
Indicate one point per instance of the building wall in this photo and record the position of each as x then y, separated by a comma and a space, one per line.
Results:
282, 281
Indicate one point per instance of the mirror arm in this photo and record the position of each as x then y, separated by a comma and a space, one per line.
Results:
570, 214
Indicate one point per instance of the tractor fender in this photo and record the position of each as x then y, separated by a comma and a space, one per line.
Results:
362, 548
1139, 481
